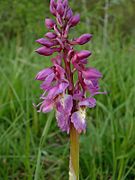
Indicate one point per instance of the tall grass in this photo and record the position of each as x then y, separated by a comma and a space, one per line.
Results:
31, 145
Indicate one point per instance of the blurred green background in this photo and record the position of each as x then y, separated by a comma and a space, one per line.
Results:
31, 145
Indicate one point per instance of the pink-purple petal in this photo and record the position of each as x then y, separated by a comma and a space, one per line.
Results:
79, 121
91, 73
47, 82
43, 74
63, 121
46, 106
89, 102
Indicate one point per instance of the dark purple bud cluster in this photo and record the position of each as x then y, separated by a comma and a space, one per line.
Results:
61, 91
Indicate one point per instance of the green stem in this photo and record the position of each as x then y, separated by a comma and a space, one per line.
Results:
74, 154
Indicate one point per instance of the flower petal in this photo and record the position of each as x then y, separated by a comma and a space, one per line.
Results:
43, 74
89, 102
63, 111
91, 73
78, 119
60, 72
58, 89
46, 106
47, 82
65, 103
63, 121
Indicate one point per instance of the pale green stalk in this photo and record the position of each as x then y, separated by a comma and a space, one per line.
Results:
74, 154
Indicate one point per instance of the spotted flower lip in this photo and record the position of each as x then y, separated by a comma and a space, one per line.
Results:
78, 118
60, 91
63, 111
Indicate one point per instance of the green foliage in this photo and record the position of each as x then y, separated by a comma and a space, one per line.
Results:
22, 16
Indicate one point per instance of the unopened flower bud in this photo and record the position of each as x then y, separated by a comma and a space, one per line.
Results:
59, 1
69, 14
74, 20
49, 23
44, 51
56, 49
60, 9
46, 42
50, 35
84, 39
65, 3
83, 54
53, 7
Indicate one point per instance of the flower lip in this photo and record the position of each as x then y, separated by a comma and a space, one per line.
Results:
79, 121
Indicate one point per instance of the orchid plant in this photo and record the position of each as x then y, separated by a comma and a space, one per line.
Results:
60, 88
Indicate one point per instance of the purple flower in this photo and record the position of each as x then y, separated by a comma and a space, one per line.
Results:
60, 92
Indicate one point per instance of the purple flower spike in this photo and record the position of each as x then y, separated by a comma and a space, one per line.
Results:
49, 23
60, 91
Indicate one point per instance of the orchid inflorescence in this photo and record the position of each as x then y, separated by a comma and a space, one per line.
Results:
61, 90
